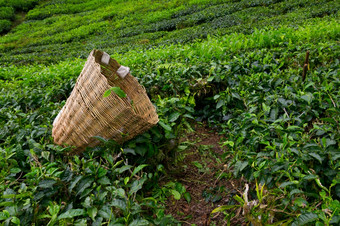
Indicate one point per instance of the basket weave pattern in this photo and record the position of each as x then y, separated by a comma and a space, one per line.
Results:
87, 113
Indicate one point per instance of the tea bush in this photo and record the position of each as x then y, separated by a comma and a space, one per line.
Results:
150, 24
5, 25
6, 13
8, 9
241, 74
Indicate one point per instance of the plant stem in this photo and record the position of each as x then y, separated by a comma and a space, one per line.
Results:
305, 66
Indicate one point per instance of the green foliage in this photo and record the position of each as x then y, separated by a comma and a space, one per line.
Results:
77, 26
242, 74
5, 25
118, 91
21, 5
90, 189
6, 13
8, 9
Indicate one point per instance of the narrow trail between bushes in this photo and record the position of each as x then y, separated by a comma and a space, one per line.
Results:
206, 177
19, 18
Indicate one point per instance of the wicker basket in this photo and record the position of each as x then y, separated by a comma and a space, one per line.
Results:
87, 113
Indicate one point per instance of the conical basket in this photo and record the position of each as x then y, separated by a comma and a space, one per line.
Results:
87, 113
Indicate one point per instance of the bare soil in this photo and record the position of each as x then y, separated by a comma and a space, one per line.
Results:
207, 178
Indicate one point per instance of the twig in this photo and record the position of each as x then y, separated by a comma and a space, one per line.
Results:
318, 204
214, 217
195, 181
286, 112
224, 169
281, 211
305, 66
334, 104
36, 160
117, 156
186, 222
16, 179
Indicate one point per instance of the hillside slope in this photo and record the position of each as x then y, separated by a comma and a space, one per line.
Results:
57, 30
244, 137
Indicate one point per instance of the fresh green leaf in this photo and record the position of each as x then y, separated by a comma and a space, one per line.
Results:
74, 183
4, 215
295, 191
126, 180
187, 197
330, 142
316, 156
123, 169
47, 183
107, 93
119, 92
305, 218
116, 90
287, 183
219, 104
92, 212
176, 194
120, 192
104, 181
83, 184
174, 116
121, 204
308, 98
223, 208
139, 222
165, 126
198, 165
129, 151
8, 203
136, 185
15, 220
101, 139
310, 177
301, 202
137, 169
72, 213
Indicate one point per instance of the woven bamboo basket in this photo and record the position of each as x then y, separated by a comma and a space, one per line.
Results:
87, 113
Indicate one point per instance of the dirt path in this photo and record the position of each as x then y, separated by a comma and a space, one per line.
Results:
206, 178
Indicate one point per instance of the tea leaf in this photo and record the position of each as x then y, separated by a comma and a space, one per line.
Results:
136, 186
137, 169
74, 182
165, 126
123, 169
119, 204
116, 90
72, 213
107, 93
4, 215
174, 116
187, 197
223, 208
316, 156
47, 183
219, 104
15, 220
138, 222
176, 194
305, 219
104, 181
83, 184
92, 212
198, 164
285, 184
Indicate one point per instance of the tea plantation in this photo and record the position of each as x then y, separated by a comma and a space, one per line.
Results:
237, 66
